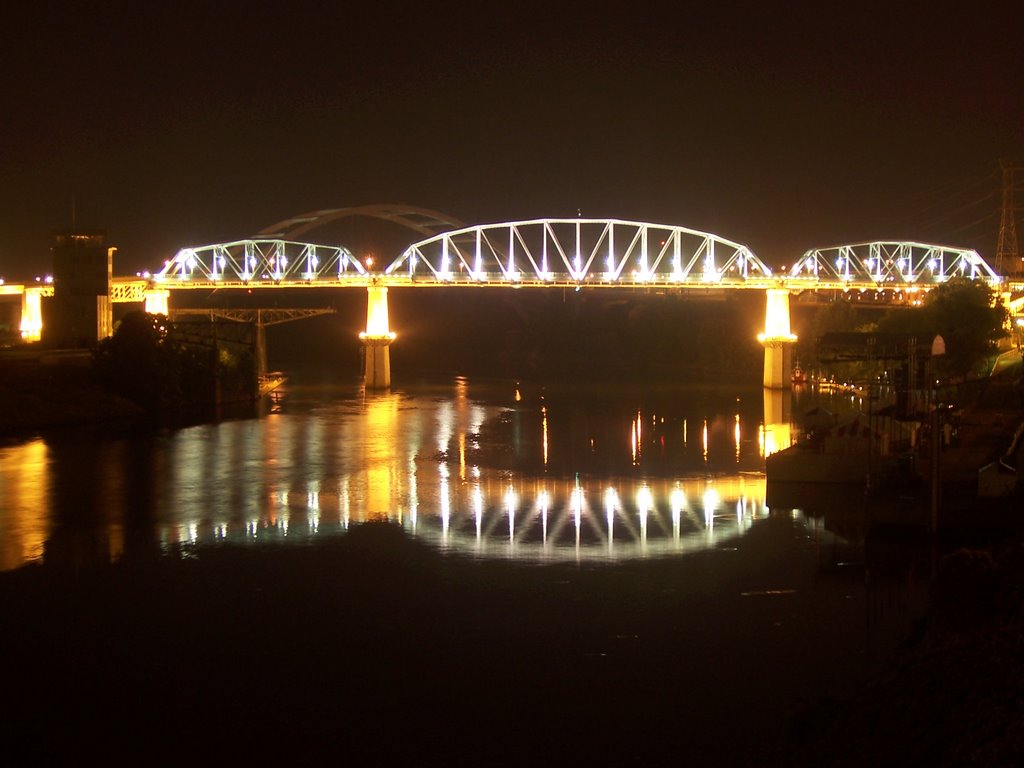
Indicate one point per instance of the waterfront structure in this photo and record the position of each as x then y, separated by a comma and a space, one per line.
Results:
79, 314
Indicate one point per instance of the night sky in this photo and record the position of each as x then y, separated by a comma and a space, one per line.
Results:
185, 124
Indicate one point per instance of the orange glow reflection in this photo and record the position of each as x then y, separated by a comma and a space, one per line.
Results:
24, 491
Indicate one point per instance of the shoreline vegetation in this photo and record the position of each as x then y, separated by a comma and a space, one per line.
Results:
141, 373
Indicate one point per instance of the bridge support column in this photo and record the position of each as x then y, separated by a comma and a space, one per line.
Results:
377, 339
32, 314
777, 340
157, 301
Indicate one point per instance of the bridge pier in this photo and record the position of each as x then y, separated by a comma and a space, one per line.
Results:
377, 339
777, 340
157, 301
32, 314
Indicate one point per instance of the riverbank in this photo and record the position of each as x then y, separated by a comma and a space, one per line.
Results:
952, 696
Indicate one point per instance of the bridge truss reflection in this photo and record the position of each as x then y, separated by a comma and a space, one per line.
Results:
512, 517
576, 519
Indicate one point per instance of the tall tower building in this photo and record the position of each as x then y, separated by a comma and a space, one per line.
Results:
79, 314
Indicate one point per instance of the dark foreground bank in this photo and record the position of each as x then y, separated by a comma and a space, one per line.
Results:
952, 696
376, 647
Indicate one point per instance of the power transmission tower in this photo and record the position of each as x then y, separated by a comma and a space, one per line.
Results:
1007, 255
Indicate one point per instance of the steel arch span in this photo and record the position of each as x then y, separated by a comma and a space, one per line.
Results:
887, 264
575, 252
423, 221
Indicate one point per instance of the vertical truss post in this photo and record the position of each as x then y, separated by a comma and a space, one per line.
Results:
479, 269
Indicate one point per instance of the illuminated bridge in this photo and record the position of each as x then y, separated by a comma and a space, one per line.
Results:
572, 253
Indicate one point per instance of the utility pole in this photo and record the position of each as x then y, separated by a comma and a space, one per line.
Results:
1007, 255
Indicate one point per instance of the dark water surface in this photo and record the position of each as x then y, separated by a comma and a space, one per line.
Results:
575, 572
491, 468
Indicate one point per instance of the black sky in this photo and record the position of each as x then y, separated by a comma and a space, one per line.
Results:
780, 127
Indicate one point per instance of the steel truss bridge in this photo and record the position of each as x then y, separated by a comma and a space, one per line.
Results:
556, 253
574, 253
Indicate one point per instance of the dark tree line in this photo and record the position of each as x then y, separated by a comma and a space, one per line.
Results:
145, 363
966, 313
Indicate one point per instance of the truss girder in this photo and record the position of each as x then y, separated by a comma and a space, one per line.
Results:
128, 290
261, 261
262, 317
888, 264
578, 251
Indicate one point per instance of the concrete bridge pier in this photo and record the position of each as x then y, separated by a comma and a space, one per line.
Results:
377, 339
777, 340
32, 314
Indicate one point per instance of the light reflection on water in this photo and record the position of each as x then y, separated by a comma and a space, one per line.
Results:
556, 483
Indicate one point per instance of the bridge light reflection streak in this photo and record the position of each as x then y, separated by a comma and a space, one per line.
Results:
544, 428
678, 501
511, 502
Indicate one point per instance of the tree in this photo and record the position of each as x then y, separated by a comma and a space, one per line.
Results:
967, 316
137, 363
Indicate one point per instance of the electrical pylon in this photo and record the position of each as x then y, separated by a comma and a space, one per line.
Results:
1007, 255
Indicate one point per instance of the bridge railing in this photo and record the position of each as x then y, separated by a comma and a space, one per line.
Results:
245, 261
578, 251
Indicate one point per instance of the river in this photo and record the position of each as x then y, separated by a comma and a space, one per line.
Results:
485, 468
605, 543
